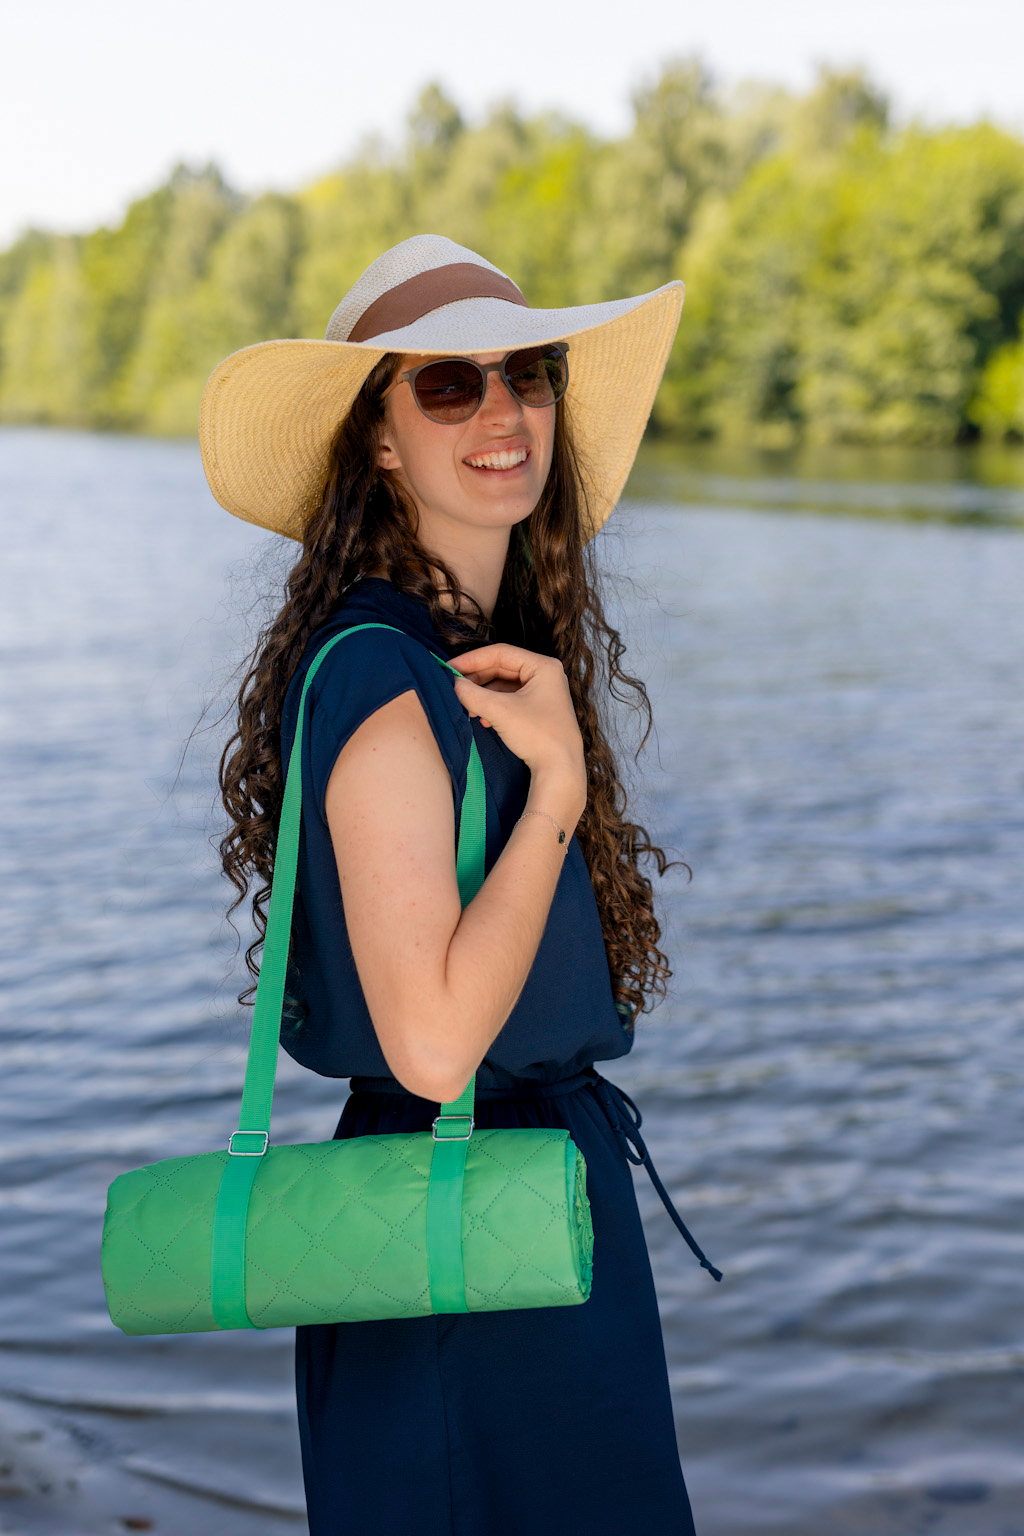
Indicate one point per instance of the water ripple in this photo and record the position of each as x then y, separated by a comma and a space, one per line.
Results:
832, 1090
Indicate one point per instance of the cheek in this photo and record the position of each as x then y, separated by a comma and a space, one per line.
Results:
426, 458
547, 444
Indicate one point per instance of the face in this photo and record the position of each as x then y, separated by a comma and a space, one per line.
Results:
451, 470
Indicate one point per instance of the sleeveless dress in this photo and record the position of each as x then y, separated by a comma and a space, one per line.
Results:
551, 1421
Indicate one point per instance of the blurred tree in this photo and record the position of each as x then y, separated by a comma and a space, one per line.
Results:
998, 406
734, 371
158, 377
466, 204
539, 204
118, 270
852, 292
649, 185
45, 340
243, 296
433, 128
846, 281
919, 278
32, 249
349, 218
840, 103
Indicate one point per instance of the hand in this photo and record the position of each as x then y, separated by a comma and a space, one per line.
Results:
525, 697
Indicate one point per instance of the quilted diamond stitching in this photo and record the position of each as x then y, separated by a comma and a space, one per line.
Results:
171, 1290
522, 1260
390, 1149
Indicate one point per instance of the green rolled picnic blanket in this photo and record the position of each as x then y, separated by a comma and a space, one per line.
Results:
260, 1236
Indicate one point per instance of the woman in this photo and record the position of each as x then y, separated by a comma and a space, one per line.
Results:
444, 476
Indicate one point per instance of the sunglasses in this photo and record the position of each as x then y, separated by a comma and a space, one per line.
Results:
452, 389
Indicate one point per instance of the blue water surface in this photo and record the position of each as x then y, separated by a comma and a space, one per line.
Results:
832, 1089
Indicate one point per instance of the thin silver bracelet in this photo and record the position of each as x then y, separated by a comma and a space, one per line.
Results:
561, 835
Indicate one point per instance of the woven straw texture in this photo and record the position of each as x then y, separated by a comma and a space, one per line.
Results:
361, 1252
269, 411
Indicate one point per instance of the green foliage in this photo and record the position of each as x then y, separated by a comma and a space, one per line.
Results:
998, 406
846, 280
852, 294
45, 358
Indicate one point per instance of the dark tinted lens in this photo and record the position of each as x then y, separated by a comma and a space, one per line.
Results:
538, 375
450, 390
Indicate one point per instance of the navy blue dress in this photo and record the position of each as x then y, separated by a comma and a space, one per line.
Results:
554, 1421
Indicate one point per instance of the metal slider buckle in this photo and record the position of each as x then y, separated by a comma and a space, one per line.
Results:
437, 1122
266, 1140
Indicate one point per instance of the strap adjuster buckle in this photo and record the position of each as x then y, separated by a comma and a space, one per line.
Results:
266, 1142
444, 1136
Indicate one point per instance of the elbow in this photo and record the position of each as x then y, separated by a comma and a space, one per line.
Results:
432, 1084
431, 1074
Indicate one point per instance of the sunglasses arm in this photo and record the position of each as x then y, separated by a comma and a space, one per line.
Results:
393, 385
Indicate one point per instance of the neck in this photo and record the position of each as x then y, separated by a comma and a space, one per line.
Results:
482, 588
475, 555
479, 572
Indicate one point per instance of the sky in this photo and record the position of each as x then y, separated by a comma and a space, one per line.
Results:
99, 100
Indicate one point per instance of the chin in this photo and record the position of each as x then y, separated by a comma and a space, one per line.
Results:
520, 499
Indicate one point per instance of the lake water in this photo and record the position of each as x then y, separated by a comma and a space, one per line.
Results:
833, 1089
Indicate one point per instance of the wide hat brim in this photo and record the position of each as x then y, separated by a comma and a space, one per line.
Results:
269, 412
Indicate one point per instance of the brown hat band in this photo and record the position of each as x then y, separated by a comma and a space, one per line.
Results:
418, 295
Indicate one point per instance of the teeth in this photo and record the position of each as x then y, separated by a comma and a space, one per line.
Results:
503, 460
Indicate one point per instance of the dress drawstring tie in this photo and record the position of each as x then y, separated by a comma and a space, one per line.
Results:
625, 1119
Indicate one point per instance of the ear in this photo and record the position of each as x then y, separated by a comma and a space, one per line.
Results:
387, 456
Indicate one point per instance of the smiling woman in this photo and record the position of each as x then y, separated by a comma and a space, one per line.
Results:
444, 472
471, 440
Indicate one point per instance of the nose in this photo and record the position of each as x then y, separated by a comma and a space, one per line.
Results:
499, 404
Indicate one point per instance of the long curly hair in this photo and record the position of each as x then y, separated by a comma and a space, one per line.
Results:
547, 602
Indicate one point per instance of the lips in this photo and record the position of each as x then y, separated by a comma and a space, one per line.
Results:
498, 461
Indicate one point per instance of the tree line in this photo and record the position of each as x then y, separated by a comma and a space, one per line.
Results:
848, 280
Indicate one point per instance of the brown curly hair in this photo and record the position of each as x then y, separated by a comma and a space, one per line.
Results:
547, 602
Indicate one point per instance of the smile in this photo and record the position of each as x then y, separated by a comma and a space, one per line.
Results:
503, 461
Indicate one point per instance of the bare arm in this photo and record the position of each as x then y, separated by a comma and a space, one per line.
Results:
439, 981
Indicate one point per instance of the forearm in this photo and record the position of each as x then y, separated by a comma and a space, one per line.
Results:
497, 938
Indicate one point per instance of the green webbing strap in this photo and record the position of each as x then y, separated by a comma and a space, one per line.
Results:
448, 1160
452, 1130
243, 1163
227, 1258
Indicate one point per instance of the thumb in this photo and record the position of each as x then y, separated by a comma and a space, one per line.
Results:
467, 682
475, 706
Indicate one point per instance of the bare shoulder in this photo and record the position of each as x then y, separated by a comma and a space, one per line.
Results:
393, 742
389, 797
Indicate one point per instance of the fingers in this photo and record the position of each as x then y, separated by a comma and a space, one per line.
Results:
464, 687
499, 660
508, 664
484, 672
468, 684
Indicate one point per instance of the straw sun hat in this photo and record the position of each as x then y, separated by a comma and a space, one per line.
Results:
269, 411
